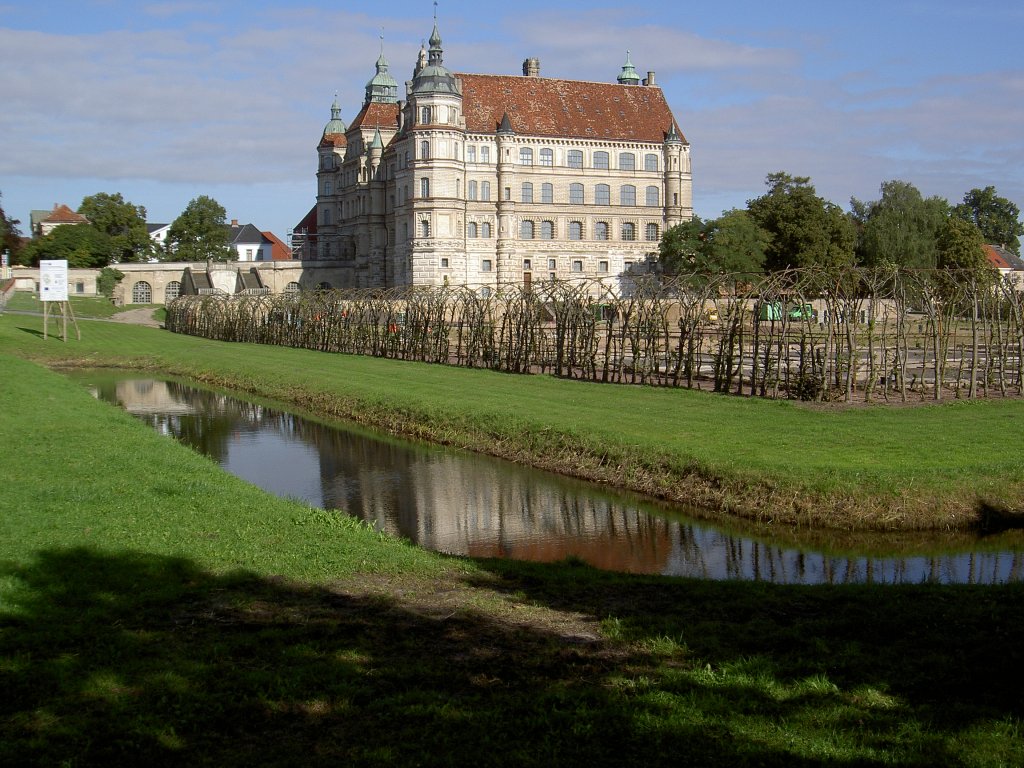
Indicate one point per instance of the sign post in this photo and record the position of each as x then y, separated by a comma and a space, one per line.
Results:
53, 287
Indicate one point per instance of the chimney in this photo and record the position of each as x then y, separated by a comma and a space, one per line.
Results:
649, 80
234, 222
531, 67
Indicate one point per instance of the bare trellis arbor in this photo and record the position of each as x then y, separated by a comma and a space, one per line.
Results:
813, 334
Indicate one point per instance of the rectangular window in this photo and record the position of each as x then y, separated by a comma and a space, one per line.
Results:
470, 154
444, 262
425, 115
547, 193
627, 161
574, 158
485, 154
485, 265
627, 195
471, 190
602, 266
526, 265
577, 265
650, 162
424, 187
485, 190
508, 193
527, 192
327, 187
552, 264
601, 160
525, 156
547, 157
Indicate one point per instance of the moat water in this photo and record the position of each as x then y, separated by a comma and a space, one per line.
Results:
465, 504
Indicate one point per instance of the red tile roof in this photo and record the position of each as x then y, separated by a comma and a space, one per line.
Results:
278, 250
333, 139
63, 215
541, 106
377, 114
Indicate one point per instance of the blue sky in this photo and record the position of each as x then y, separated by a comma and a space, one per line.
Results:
166, 101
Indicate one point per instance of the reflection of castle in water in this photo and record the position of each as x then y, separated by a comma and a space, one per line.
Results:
466, 504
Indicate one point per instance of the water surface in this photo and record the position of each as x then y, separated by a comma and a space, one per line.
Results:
462, 503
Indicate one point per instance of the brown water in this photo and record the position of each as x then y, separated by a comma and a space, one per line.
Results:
462, 503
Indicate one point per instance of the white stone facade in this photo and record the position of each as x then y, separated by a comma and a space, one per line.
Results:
489, 180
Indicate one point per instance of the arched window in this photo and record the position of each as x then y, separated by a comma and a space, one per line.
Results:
425, 115
547, 230
575, 230
653, 196
601, 230
142, 293
425, 150
425, 228
525, 156
471, 190
326, 218
547, 193
627, 161
172, 291
574, 158
527, 192
601, 160
471, 230
652, 232
291, 288
576, 194
629, 231
602, 195
485, 229
650, 162
526, 230
627, 195
424, 187
547, 157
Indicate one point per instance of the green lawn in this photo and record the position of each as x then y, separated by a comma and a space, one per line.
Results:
933, 466
156, 611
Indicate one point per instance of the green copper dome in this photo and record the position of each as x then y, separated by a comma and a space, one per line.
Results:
382, 87
335, 124
434, 77
628, 76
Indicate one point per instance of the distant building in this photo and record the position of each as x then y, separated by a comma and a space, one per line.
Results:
44, 222
1007, 262
486, 180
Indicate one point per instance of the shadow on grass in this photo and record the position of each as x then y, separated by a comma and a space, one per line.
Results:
109, 659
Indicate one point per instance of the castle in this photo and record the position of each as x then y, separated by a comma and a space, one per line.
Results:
491, 180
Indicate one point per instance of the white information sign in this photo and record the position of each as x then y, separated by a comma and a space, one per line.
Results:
53, 280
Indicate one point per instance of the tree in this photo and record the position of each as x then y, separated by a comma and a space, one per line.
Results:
679, 246
123, 222
899, 229
82, 245
734, 243
108, 280
10, 235
960, 245
200, 232
804, 229
996, 217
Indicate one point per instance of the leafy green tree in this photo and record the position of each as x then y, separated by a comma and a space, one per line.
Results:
735, 243
108, 280
200, 232
82, 245
996, 217
10, 235
900, 228
804, 229
680, 246
123, 222
960, 245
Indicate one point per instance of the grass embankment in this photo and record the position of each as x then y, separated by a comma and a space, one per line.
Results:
928, 467
154, 610
84, 307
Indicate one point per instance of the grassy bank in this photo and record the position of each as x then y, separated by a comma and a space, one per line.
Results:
155, 610
928, 467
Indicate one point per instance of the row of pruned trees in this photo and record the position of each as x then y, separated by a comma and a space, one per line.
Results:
813, 334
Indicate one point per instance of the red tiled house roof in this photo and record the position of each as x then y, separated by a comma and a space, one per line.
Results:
278, 250
540, 106
63, 215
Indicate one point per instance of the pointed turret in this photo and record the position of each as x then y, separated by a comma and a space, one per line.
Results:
628, 76
505, 127
434, 77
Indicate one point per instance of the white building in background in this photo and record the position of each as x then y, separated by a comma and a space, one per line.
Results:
487, 180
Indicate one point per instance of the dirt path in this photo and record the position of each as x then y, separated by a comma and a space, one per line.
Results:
142, 316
